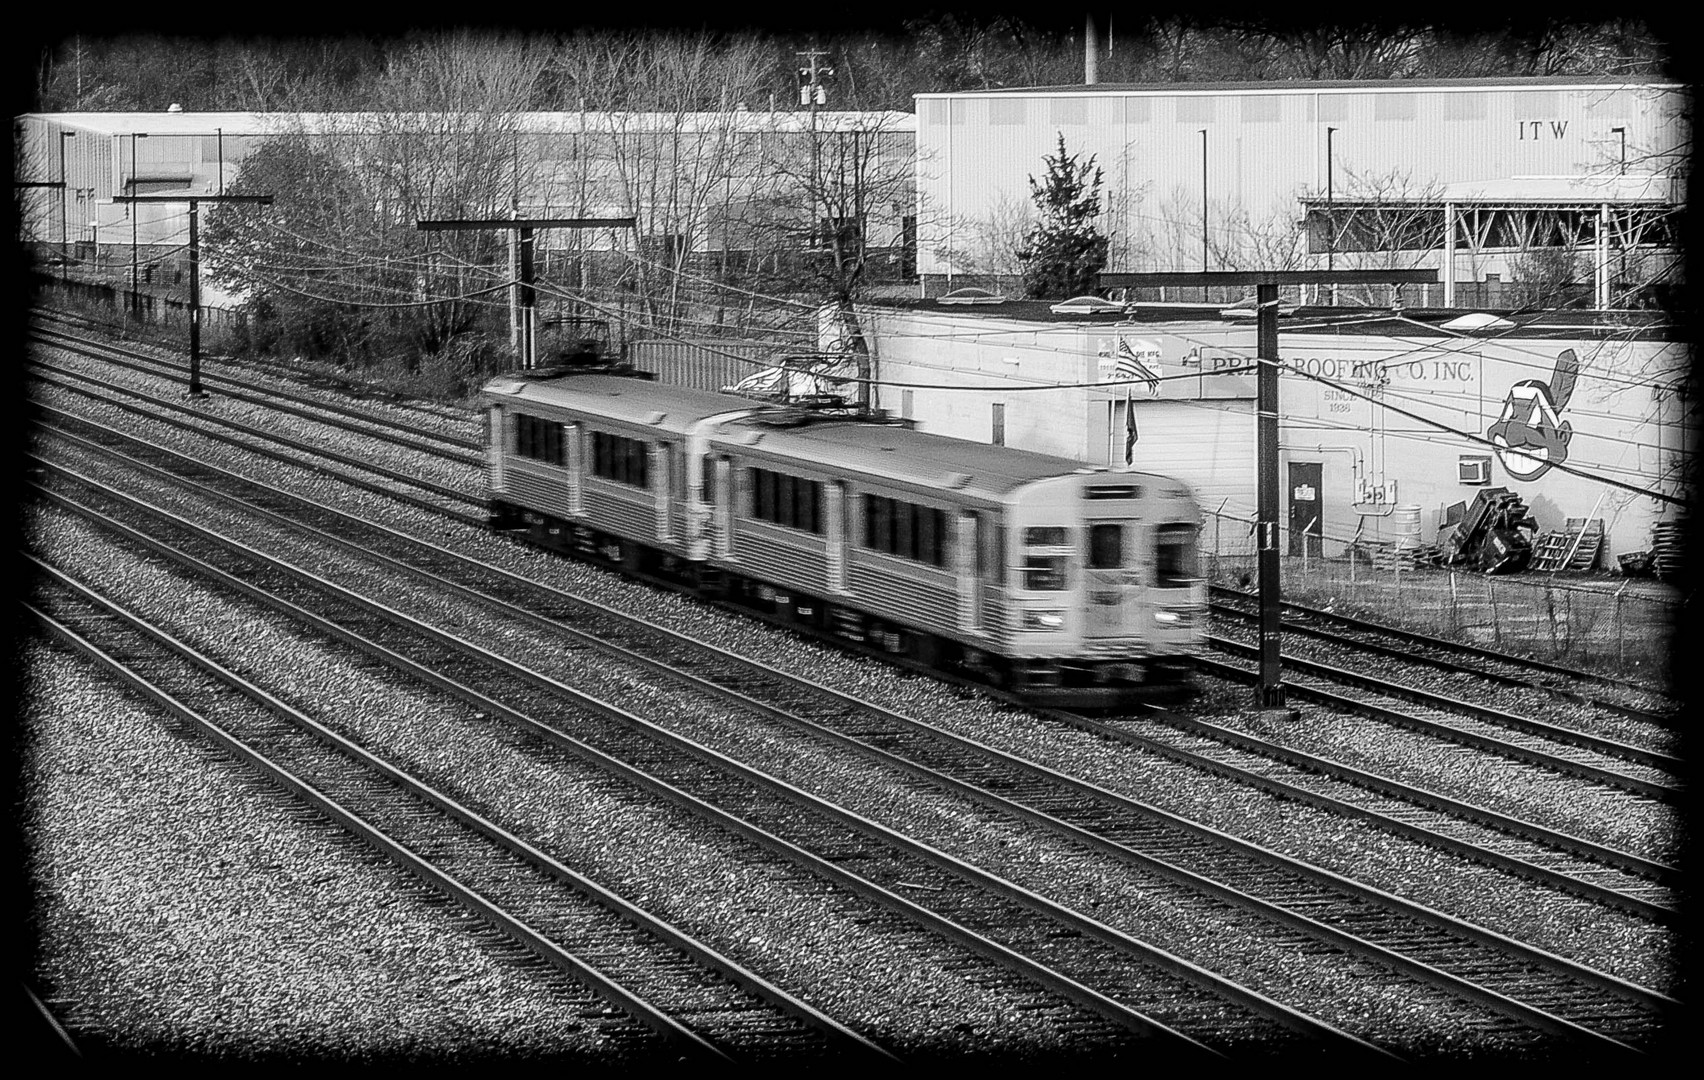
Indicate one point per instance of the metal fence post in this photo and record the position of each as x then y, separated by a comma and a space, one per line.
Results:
1496, 617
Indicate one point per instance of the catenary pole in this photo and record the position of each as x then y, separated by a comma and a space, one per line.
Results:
1269, 693
194, 202
523, 228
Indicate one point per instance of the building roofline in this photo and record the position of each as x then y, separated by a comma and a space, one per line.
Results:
1295, 86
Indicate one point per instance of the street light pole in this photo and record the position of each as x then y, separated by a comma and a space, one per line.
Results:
64, 227
1203, 210
135, 297
1330, 216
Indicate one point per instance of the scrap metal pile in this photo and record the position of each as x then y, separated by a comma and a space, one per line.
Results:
1495, 534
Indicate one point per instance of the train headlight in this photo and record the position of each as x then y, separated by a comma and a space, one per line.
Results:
1171, 618
1043, 620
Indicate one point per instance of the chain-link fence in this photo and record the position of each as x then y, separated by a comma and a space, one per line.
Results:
1616, 625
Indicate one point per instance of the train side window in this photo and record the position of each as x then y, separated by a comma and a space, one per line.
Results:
615, 457
709, 476
1044, 573
1176, 556
1106, 546
904, 530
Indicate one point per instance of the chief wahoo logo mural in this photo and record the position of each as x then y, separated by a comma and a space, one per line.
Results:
1530, 436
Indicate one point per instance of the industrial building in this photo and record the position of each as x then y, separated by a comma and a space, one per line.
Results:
1387, 419
694, 181
1324, 175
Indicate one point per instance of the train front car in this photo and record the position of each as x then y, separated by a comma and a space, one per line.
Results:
1106, 599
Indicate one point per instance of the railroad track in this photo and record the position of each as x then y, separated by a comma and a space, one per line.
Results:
1637, 884
462, 506
1508, 735
699, 1002
1648, 727
1654, 704
1609, 1002
1087, 962
1565, 1029
102, 348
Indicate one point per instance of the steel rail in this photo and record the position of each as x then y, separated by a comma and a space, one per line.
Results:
1446, 645
1178, 967
547, 950
1664, 792
247, 429
451, 447
1452, 666
1526, 953
1442, 804
265, 451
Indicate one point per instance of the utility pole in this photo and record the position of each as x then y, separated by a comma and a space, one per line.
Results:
64, 228
194, 266
135, 297
813, 93
1269, 694
524, 283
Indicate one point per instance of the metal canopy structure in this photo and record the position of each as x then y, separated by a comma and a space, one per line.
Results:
1596, 214
1269, 694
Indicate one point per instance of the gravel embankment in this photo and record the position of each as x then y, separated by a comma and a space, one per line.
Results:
181, 909
1619, 944
888, 985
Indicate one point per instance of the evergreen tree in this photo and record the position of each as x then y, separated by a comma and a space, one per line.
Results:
1064, 254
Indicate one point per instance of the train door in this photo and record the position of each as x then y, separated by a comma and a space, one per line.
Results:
968, 566
1112, 580
576, 469
835, 532
1305, 524
496, 445
722, 513
662, 486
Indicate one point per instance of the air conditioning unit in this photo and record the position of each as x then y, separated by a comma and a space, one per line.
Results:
1474, 470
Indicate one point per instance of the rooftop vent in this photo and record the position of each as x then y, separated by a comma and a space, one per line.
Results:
1249, 307
1477, 320
1086, 305
972, 296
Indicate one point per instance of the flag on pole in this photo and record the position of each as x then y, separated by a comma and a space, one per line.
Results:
1129, 427
1131, 366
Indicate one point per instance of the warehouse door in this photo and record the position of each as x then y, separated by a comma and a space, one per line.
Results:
1305, 503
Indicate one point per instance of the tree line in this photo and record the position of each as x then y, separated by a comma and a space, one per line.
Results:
936, 52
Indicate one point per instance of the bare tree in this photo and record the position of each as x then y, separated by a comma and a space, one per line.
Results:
666, 138
438, 138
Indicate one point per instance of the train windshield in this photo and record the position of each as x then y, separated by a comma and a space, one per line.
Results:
1106, 547
1176, 558
1044, 572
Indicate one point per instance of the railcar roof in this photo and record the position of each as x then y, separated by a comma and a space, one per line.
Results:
907, 455
620, 397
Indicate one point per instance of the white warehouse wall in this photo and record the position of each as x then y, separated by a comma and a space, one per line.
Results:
1265, 146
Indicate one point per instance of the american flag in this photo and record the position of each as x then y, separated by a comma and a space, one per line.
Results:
1129, 429
1131, 367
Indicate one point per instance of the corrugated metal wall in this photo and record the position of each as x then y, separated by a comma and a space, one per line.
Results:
699, 365
976, 152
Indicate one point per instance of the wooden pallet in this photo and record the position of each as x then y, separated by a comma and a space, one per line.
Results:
1575, 547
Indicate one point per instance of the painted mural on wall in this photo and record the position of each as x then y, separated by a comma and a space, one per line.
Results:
1128, 359
1530, 435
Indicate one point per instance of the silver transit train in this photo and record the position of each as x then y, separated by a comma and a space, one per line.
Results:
1067, 585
